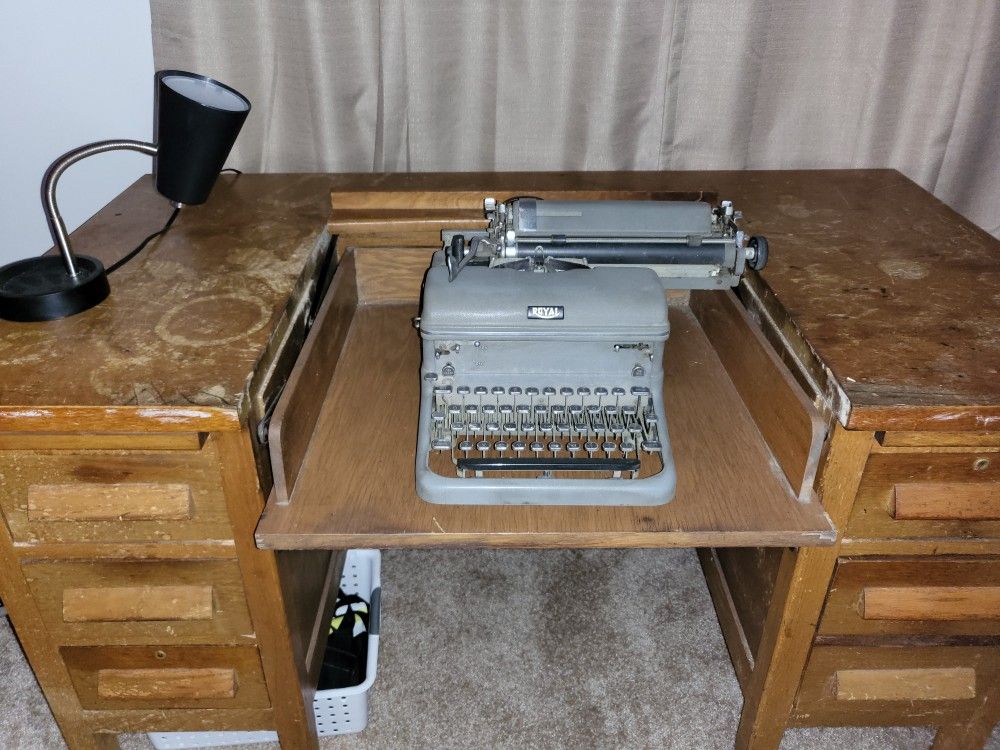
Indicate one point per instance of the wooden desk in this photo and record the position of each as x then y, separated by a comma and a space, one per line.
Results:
160, 391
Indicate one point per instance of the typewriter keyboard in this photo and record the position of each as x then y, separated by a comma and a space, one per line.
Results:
584, 431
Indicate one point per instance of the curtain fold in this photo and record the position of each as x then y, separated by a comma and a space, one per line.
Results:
455, 85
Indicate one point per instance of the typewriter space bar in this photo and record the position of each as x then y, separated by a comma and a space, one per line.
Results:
548, 464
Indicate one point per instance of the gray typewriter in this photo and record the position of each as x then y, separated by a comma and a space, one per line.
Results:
542, 348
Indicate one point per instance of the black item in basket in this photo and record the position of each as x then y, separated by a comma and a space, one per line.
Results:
346, 653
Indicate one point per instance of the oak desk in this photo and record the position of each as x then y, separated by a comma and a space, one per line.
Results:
882, 444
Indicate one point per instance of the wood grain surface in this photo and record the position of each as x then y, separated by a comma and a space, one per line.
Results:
913, 598
791, 425
356, 485
189, 318
862, 262
875, 516
871, 686
868, 282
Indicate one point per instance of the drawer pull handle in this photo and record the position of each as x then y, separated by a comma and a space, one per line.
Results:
946, 684
930, 603
947, 501
137, 604
134, 501
164, 684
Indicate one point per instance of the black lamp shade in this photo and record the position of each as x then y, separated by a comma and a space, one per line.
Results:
197, 121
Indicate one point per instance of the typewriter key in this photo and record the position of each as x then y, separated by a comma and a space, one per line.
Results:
600, 391
483, 445
514, 390
498, 390
609, 447
465, 445
531, 391
481, 390
565, 391
618, 391
518, 445
590, 447
462, 390
549, 390
572, 447
501, 445
555, 447
493, 427
537, 447
583, 391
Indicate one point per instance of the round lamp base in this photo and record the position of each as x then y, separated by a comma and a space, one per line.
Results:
41, 289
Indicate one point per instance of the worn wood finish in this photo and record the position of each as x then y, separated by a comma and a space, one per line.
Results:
733, 632
921, 684
187, 320
870, 686
131, 501
287, 677
750, 575
350, 495
848, 276
161, 514
294, 417
975, 731
799, 592
930, 603
789, 422
156, 441
137, 603
940, 439
118, 419
873, 514
146, 601
184, 683
472, 200
309, 583
979, 501
915, 596
119, 668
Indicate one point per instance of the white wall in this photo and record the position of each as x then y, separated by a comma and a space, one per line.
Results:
72, 72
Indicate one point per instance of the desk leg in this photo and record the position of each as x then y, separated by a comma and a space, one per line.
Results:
975, 732
799, 593
286, 679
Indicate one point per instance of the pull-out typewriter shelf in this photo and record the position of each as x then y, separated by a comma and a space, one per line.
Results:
344, 436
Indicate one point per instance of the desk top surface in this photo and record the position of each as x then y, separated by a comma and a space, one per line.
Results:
894, 295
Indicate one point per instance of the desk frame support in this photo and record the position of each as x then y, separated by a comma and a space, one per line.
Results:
803, 578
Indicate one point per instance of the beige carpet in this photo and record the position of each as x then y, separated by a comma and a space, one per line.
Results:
484, 649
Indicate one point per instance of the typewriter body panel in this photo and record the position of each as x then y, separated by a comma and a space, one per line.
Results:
542, 348
543, 387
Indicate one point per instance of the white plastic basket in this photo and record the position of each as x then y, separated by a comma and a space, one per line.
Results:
340, 711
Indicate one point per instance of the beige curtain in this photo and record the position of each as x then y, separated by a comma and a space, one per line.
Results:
398, 85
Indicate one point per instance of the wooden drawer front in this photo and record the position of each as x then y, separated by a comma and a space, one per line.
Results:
886, 686
129, 602
113, 496
146, 677
920, 495
914, 596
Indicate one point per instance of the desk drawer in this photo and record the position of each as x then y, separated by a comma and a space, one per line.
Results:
113, 496
165, 677
883, 686
913, 596
906, 495
105, 602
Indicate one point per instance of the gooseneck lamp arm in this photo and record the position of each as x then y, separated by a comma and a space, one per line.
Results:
57, 227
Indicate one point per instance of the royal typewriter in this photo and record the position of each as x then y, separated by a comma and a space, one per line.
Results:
542, 348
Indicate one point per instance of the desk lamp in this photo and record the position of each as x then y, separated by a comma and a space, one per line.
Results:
196, 123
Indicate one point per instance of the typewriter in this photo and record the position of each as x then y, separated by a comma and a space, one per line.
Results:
542, 348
